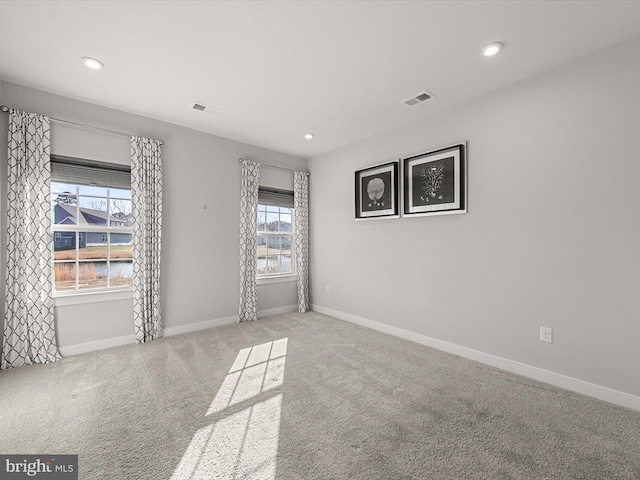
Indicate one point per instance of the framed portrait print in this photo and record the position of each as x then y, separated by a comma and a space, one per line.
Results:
435, 183
377, 192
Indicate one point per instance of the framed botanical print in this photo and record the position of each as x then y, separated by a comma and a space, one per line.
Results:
435, 183
377, 192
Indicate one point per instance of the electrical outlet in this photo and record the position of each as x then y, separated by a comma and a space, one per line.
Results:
327, 290
546, 334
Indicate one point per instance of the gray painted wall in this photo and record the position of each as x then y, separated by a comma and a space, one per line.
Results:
551, 237
200, 259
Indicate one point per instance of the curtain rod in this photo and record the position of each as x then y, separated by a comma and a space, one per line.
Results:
271, 166
5, 109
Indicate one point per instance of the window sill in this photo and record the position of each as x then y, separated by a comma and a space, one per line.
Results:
278, 279
77, 298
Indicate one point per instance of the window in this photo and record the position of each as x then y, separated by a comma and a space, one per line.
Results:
91, 226
275, 233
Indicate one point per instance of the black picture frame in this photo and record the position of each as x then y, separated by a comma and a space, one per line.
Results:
435, 182
377, 192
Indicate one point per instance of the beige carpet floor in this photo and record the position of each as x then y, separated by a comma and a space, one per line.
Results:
307, 397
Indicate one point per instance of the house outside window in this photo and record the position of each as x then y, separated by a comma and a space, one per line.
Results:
91, 226
275, 217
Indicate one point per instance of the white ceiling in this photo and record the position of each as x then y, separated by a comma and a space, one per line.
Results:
278, 70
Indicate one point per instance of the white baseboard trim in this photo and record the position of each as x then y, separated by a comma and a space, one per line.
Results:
569, 383
194, 327
97, 345
277, 311
168, 332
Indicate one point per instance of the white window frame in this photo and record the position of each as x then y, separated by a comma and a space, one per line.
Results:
266, 278
78, 230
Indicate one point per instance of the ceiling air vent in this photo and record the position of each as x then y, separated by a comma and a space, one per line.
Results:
419, 98
204, 108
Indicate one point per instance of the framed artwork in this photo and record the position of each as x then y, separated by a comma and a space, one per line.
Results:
435, 183
377, 192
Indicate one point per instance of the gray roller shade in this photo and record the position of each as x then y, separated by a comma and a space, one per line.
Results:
275, 196
89, 172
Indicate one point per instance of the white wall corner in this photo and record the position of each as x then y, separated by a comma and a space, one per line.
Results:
569, 383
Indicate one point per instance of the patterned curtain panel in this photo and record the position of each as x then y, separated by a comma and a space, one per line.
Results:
146, 195
29, 330
301, 206
248, 309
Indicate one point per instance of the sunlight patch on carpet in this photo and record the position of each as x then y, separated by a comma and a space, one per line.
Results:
255, 370
244, 444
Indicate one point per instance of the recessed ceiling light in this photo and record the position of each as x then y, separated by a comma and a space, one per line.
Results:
491, 49
92, 63
309, 136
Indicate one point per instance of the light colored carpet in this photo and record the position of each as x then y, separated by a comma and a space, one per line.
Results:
308, 397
